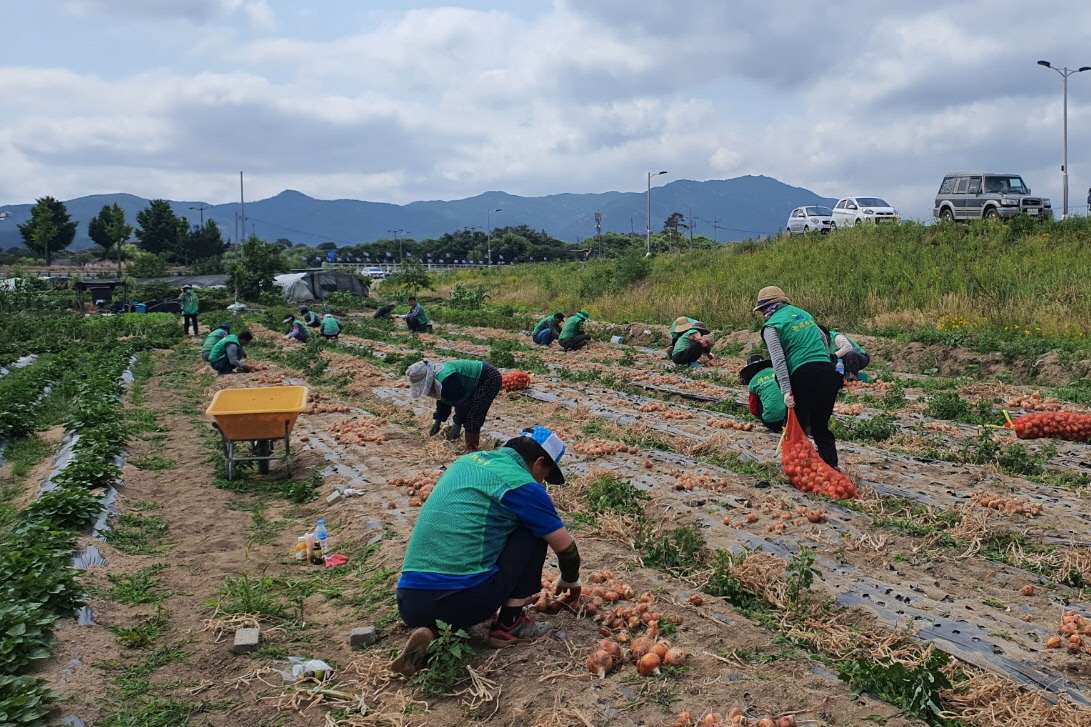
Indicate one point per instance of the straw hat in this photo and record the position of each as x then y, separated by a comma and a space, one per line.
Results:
753, 365
770, 294
683, 323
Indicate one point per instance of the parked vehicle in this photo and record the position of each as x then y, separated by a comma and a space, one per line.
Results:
987, 195
375, 273
852, 211
809, 219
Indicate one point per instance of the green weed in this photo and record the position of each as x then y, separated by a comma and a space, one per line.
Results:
140, 534
448, 656
137, 588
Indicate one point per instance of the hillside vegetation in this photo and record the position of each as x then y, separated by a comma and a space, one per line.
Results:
945, 282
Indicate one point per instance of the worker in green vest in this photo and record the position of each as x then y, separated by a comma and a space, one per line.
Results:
467, 387
331, 327
416, 319
213, 338
850, 355
547, 329
227, 355
190, 308
297, 329
800, 353
572, 337
689, 341
765, 401
479, 544
310, 318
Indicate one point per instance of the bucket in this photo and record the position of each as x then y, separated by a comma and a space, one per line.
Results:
617, 339
140, 308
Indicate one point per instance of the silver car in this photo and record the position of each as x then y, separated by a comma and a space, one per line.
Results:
987, 195
804, 220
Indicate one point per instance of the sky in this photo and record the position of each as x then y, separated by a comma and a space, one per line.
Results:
405, 100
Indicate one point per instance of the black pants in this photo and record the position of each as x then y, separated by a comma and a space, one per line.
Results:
575, 343
519, 576
855, 361
415, 325
188, 318
472, 414
815, 386
691, 353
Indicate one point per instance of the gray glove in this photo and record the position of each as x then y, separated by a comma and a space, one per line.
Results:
455, 433
436, 424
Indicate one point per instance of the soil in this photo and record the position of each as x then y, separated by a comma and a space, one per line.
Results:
892, 581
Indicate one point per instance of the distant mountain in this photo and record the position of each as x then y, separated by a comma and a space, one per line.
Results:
724, 210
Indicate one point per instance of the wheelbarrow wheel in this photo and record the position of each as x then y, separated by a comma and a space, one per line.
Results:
229, 460
263, 448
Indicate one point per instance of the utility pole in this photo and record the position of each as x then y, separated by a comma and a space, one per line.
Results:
201, 208
242, 209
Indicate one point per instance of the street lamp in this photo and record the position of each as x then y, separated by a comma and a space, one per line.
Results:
650, 175
401, 247
1065, 73
202, 209
488, 235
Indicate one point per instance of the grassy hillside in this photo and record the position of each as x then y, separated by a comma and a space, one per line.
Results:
986, 279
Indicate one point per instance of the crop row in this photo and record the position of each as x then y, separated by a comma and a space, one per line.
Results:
37, 581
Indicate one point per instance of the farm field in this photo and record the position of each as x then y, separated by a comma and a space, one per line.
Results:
931, 599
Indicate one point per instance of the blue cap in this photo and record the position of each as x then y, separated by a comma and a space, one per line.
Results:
226, 326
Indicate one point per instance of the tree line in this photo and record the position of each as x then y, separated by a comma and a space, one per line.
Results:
160, 238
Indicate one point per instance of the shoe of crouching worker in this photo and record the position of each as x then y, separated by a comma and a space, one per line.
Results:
521, 631
415, 654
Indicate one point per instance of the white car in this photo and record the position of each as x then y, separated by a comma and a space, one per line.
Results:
852, 211
804, 220
375, 273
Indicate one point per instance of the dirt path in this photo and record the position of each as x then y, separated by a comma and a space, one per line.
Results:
192, 538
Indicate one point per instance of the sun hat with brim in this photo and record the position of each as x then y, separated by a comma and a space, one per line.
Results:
288, 319
770, 294
553, 447
753, 367
583, 314
421, 375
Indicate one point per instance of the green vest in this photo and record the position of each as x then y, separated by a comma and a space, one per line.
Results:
219, 350
470, 371
764, 386
463, 526
211, 339
855, 346
571, 328
190, 305
331, 326
800, 336
542, 325
682, 343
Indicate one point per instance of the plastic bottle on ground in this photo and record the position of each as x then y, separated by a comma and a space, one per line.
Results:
323, 536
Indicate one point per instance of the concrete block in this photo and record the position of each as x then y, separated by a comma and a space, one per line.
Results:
246, 641
362, 636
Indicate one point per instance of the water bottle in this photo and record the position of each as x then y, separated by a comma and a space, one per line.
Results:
840, 366
323, 536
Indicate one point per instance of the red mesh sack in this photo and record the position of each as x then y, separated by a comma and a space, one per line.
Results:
515, 381
1056, 424
806, 470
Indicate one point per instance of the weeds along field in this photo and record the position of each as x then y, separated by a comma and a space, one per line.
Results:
981, 278
952, 592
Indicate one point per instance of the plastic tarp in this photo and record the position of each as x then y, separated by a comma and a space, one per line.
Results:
318, 285
197, 281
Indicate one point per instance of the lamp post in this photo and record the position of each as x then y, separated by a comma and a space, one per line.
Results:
401, 247
201, 209
488, 234
650, 175
1064, 73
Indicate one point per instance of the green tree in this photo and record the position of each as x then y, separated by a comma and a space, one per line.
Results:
672, 227
204, 242
159, 228
253, 272
411, 278
50, 229
146, 265
110, 230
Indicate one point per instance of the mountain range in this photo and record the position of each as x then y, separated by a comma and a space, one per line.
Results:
722, 210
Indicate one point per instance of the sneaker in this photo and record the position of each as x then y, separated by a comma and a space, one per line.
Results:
522, 630
415, 654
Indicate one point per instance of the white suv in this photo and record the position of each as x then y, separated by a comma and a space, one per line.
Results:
852, 211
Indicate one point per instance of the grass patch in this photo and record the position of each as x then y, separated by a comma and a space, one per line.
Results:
144, 633
609, 493
24, 453
139, 535
153, 464
137, 588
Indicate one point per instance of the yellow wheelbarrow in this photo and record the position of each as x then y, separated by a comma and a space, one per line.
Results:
262, 417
